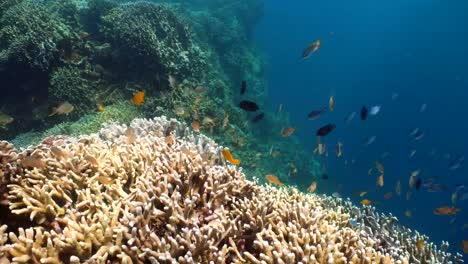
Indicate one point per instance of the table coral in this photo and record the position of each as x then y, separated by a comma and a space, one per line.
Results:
154, 192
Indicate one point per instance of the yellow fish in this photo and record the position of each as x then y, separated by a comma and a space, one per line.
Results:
380, 181
5, 119
366, 202
273, 179
408, 213
64, 108
312, 187
379, 166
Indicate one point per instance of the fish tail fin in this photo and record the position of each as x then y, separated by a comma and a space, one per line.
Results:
54, 112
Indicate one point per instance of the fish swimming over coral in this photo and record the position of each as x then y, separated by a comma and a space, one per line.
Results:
5, 119
325, 130
138, 98
315, 114
64, 108
248, 106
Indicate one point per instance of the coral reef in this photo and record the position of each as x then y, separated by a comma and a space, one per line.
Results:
31, 35
157, 192
154, 36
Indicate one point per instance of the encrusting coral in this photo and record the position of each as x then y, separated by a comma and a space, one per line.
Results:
156, 192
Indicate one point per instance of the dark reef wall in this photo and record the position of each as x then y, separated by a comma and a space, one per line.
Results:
101, 52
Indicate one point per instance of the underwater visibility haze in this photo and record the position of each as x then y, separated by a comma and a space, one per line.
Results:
247, 131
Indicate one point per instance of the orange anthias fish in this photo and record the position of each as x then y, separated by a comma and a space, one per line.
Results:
388, 195
196, 126
312, 187
273, 179
465, 246
398, 188
287, 132
228, 156
138, 98
379, 166
445, 210
339, 150
366, 202
420, 244
100, 108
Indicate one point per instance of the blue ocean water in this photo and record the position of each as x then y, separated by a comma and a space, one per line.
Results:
371, 50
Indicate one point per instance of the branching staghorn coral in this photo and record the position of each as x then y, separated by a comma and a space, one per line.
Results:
155, 192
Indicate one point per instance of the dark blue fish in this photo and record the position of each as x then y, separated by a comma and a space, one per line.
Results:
418, 184
364, 113
248, 105
325, 130
316, 113
258, 117
243, 87
325, 176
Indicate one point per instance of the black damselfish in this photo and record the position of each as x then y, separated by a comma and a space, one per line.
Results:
248, 105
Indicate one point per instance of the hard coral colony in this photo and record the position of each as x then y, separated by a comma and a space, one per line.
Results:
103, 198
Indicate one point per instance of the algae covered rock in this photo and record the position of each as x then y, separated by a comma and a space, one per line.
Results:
31, 35
155, 36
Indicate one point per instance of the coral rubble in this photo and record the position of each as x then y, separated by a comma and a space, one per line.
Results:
156, 192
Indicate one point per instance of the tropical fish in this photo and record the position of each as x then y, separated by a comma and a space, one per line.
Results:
64, 108
324, 176
336, 195
273, 179
417, 134
379, 166
34, 162
380, 180
5, 119
364, 113
366, 202
248, 106
59, 152
228, 156
446, 210
138, 98
464, 245
313, 47
420, 244
316, 113
258, 117
412, 153
180, 111
395, 96
385, 155
200, 89
131, 135
280, 108
353, 223
173, 83
369, 140
374, 110
360, 193
398, 188
331, 103
388, 195
196, 126
243, 87
100, 108
325, 130
408, 213
408, 195
418, 183
423, 108
350, 117
287, 132
456, 163
312, 187
339, 150
413, 178
454, 198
